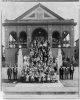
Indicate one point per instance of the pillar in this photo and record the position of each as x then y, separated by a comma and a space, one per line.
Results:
6, 37
61, 41
29, 31
72, 41
50, 35
72, 36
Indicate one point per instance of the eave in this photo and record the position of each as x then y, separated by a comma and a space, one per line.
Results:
38, 22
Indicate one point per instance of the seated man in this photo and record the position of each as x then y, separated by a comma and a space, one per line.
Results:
48, 77
27, 77
55, 77
44, 77
51, 74
40, 76
46, 72
23, 76
32, 77
36, 78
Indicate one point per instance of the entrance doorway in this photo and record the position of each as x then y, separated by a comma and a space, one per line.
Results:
39, 34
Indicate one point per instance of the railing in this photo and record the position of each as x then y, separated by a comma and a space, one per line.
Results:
14, 44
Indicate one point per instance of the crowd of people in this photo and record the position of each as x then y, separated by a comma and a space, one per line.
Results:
41, 67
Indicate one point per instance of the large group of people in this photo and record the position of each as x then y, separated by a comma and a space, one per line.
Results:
40, 66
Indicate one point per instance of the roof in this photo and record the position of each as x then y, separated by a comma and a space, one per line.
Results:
41, 6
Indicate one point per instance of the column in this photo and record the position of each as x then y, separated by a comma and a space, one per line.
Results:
72, 41
61, 41
29, 31
50, 35
72, 36
6, 37
17, 30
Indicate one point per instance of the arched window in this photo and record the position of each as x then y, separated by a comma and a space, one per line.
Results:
13, 40
23, 39
39, 33
66, 39
55, 39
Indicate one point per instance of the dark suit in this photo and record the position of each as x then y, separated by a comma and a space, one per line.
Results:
66, 72
61, 73
71, 72
15, 73
9, 73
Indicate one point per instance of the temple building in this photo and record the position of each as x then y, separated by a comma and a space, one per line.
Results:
38, 22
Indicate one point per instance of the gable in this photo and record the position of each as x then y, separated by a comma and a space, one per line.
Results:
39, 12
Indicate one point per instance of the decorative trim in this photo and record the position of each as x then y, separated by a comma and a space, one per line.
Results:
39, 23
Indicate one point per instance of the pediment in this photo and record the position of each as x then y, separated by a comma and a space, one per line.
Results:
39, 12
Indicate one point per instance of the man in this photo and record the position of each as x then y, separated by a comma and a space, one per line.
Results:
22, 76
65, 63
46, 72
15, 73
68, 59
61, 72
66, 72
71, 71
52, 74
9, 73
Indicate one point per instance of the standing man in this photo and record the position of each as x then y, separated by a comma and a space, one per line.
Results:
9, 73
66, 72
71, 71
68, 59
15, 73
61, 72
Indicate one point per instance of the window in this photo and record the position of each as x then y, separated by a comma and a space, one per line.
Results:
23, 39
66, 39
13, 40
55, 39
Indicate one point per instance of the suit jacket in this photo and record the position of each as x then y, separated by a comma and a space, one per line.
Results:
14, 70
9, 71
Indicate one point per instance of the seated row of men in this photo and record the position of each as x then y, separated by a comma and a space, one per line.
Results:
39, 73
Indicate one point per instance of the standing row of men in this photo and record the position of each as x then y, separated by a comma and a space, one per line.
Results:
66, 72
12, 71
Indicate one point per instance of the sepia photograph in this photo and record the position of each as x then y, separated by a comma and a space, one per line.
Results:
40, 49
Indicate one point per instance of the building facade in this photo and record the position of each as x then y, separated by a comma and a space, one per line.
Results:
38, 22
